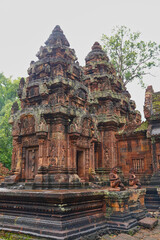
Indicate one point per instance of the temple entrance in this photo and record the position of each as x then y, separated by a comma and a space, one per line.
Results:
80, 164
31, 163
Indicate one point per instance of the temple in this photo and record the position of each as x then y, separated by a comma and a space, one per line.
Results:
78, 129
77, 123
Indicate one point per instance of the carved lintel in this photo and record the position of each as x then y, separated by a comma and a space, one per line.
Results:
74, 136
41, 135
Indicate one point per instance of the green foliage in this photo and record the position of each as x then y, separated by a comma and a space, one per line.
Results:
16, 236
131, 57
8, 95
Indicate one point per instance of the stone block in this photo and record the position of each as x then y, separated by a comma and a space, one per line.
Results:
148, 222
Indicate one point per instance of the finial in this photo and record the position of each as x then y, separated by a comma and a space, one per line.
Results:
96, 45
57, 29
57, 38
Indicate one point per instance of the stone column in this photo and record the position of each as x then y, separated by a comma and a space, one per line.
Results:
87, 164
109, 148
60, 140
41, 142
92, 157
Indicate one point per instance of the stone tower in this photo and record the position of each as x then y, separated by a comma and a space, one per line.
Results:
54, 135
110, 101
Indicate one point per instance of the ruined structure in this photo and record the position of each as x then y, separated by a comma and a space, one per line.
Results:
75, 123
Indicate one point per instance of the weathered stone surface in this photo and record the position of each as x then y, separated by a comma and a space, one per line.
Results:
67, 214
54, 214
148, 222
123, 209
76, 124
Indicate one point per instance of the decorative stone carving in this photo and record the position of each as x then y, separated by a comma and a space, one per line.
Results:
133, 180
27, 125
115, 181
53, 154
106, 157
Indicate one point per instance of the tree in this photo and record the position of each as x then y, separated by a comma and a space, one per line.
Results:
131, 57
8, 95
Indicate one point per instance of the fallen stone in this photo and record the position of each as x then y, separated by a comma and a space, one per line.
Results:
148, 222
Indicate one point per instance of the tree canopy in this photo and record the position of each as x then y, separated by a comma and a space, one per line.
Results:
8, 95
131, 57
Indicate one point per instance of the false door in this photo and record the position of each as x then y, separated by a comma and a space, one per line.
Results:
31, 163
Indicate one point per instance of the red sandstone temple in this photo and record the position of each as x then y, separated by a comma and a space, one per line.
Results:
76, 123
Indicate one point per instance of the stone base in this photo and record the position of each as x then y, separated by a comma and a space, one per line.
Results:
122, 222
52, 214
69, 214
136, 203
124, 208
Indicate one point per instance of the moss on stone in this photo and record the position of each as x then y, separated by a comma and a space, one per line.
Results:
156, 103
109, 212
16, 236
142, 127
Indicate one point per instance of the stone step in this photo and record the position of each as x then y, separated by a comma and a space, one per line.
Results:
155, 177
151, 191
153, 199
152, 196
139, 214
152, 206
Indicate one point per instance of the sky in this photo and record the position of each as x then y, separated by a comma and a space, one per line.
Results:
26, 24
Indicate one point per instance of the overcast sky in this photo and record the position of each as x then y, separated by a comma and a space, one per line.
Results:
26, 24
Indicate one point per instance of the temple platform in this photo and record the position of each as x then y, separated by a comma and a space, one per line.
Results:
70, 214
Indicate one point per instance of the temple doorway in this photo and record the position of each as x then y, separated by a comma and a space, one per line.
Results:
80, 165
31, 163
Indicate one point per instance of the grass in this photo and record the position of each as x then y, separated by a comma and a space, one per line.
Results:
14, 236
